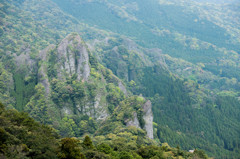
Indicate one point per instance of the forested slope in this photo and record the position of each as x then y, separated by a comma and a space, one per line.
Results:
77, 83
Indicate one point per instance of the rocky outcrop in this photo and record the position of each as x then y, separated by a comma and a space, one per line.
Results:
134, 121
96, 109
122, 88
148, 118
42, 72
25, 59
73, 57
66, 110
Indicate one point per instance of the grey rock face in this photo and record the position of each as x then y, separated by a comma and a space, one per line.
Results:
95, 109
134, 121
100, 110
122, 88
73, 57
25, 61
66, 110
42, 72
148, 118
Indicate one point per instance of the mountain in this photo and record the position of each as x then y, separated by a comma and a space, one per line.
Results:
176, 98
180, 56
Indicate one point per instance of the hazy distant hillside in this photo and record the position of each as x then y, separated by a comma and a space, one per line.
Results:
177, 27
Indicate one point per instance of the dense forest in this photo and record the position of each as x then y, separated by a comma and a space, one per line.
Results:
119, 79
22, 137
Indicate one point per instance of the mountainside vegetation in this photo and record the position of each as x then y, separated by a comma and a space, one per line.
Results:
22, 137
135, 76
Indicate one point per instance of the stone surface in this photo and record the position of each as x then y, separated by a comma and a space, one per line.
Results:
148, 118
42, 72
134, 121
73, 57
122, 88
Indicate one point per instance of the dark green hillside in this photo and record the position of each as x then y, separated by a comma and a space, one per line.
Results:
190, 31
183, 109
22, 137
175, 110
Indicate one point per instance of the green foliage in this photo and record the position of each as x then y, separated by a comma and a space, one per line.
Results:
140, 118
92, 90
125, 155
37, 106
185, 113
68, 127
120, 61
115, 95
52, 71
19, 87
1, 31
69, 91
6, 87
105, 148
126, 109
93, 61
96, 155
157, 28
206, 129
200, 153
22, 137
87, 143
150, 151
69, 149
24, 87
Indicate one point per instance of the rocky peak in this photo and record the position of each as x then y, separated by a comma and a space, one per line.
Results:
148, 118
73, 57
134, 121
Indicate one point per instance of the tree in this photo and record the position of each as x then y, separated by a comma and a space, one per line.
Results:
104, 148
87, 143
69, 149
125, 155
201, 154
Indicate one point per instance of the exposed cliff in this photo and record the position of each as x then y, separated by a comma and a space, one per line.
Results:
134, 121
73, 57
42, 72
75, 94
134, 113
147, 118
73, 87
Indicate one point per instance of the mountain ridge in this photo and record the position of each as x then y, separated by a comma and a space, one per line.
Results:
191, 96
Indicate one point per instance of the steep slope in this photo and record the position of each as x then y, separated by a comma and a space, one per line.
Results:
72, 85
61, 84
190, 99
183, 101
75, 94
22, 137
133, 112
